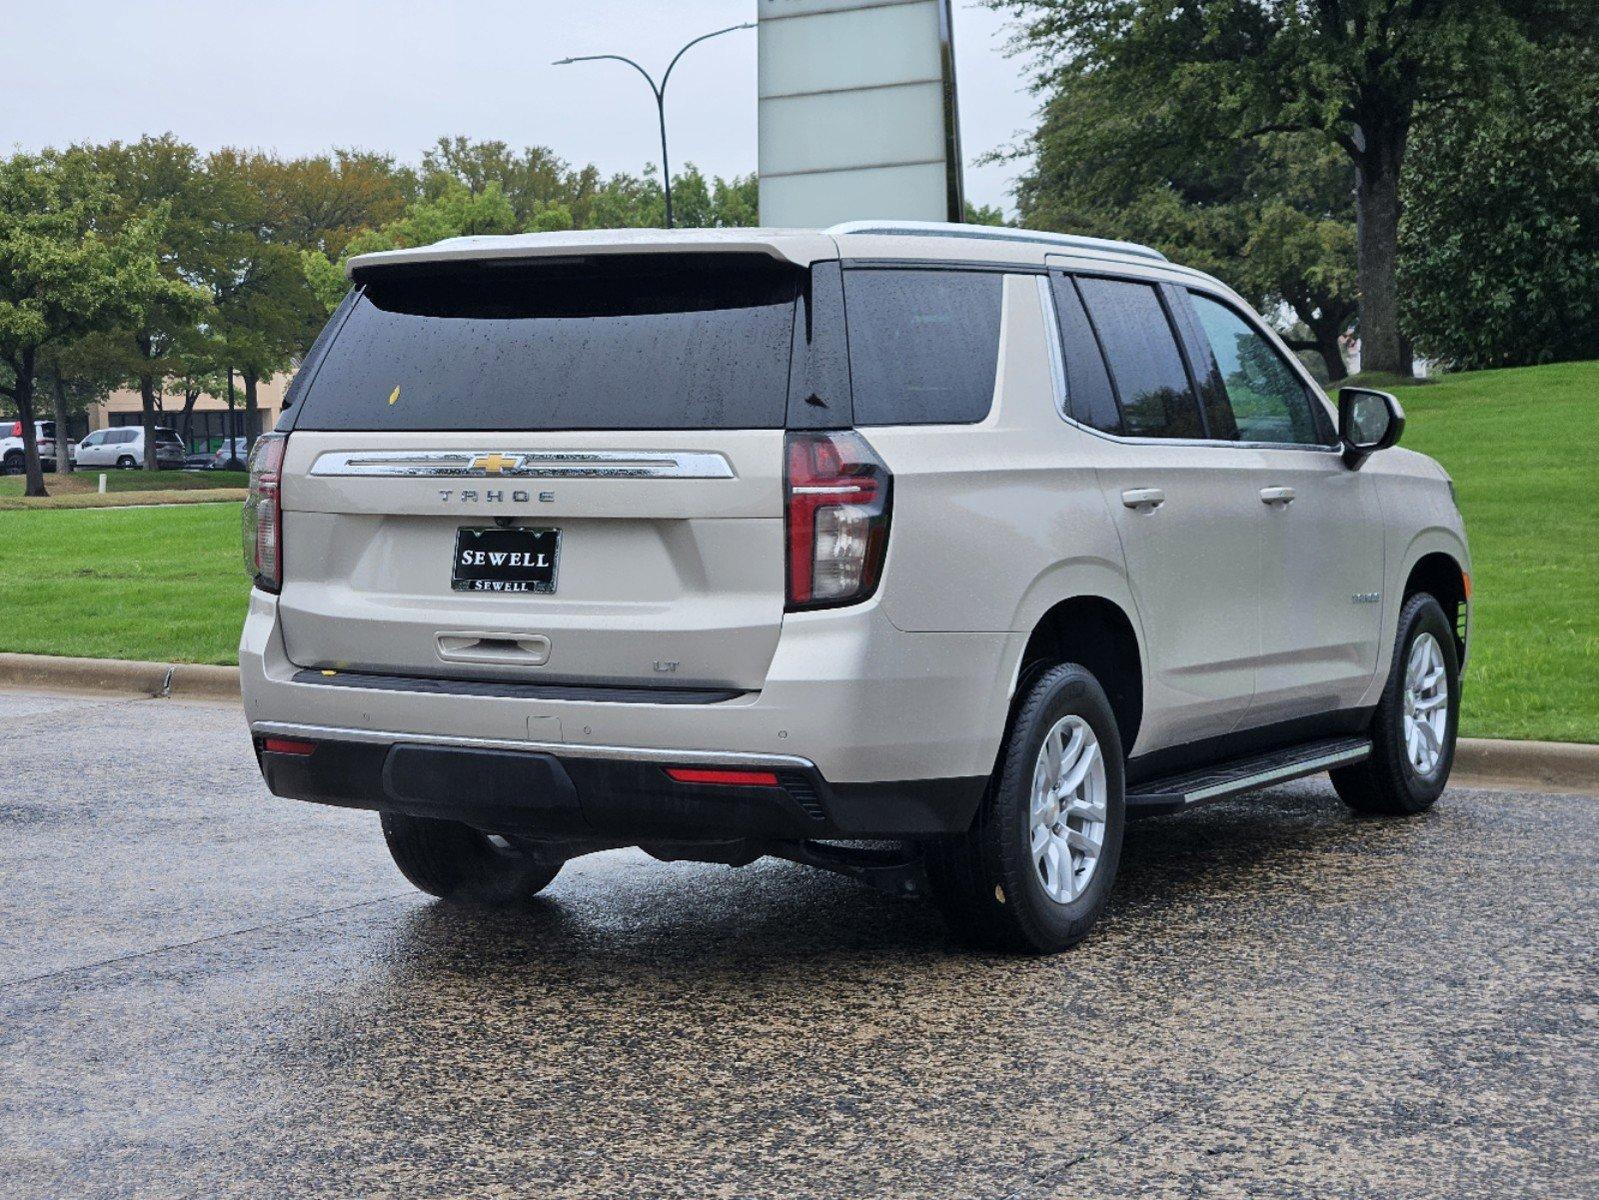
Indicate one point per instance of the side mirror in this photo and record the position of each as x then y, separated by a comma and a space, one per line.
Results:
1368, 421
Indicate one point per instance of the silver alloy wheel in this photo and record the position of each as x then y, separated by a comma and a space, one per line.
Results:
1426, 711
1067, 812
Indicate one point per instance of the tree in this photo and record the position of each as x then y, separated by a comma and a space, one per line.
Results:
1359, 73
1272, 216
75, 374
66, 270
265, 310
162, 174
455, 211
532, 181
324, 200
1499, 246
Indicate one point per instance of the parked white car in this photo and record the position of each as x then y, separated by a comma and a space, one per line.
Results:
735, 543
123, 447
13, 459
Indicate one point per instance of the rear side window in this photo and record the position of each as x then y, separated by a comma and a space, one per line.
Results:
626, 342
1145, 364
1088, 392
923, 345
1267, 399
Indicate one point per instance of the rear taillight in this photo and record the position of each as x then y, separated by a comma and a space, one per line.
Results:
263, 513
837, 515
16, 429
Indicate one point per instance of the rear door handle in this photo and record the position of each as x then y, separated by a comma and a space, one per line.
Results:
1277, 495
1145, 498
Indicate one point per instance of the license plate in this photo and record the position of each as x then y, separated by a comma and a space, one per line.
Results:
505, 560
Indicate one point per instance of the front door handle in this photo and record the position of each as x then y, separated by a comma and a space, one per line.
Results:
1147, 499
1277, 495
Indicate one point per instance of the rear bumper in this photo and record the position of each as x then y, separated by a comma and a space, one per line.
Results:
603, 793
894, 732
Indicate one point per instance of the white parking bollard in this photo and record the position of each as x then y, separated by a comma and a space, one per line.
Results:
102, 483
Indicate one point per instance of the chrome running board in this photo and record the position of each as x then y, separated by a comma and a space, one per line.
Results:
1188, 789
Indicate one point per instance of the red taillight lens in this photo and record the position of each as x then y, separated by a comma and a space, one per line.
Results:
837, 514
263, 512
288, 746
724, 778
16, 429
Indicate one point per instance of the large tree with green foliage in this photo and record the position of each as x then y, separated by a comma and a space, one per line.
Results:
1359, 73
162, 174
264, 308
1272, 216
1499, 246
67, 269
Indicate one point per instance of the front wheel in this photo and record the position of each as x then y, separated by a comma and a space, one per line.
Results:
1035, 870
1413, 729
456, 862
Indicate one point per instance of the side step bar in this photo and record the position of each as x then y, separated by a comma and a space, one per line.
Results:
1188, 789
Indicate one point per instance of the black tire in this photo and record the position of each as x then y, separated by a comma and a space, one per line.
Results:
126, 463
1387, 783
456, 862
15, 463
986, 881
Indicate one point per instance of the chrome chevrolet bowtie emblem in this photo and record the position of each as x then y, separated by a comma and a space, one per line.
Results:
496, 464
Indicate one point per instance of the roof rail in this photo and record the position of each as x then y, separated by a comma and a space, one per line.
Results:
997, 233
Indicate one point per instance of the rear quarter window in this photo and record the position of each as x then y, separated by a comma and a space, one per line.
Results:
923, 344
623, 342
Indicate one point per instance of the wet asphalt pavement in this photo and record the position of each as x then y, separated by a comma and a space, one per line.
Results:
205, 991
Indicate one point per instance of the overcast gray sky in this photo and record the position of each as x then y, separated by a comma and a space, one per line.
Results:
298, 76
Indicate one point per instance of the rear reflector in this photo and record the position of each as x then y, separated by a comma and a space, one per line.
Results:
288, 746
724, 778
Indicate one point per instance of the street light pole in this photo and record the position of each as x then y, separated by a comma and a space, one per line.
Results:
659, 91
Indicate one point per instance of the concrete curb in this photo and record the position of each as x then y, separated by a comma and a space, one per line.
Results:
187, 681
1559, 766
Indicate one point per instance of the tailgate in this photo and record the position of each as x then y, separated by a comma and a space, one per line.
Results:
670, 565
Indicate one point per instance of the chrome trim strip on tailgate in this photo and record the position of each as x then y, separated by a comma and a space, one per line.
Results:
526, 464
326, 733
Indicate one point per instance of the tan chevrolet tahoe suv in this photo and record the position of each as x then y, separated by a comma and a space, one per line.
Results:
928, 554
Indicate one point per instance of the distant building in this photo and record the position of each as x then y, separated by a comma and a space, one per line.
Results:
207, 425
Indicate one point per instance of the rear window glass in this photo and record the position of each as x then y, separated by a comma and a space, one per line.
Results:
1141, 351
168, 435
698, 342
923, 345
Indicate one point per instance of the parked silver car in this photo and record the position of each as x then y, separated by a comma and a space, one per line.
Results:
123, 447
971, 543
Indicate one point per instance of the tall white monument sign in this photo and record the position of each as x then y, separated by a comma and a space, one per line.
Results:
858, 117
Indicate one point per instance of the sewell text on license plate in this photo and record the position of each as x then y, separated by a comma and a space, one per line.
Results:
495, 559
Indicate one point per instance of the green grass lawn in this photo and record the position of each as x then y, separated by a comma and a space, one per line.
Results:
165, 584
1522, 445
88, 480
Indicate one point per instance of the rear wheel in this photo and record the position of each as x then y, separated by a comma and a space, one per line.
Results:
1413, 729
126, 463
1034, 872
456, 862
14, 463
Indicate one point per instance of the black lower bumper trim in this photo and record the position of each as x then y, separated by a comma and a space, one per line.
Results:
544, 794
